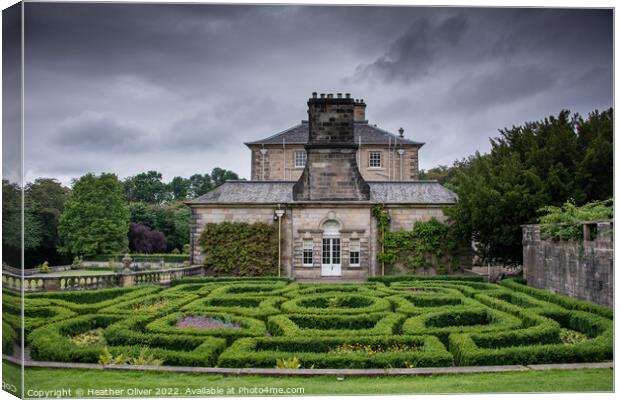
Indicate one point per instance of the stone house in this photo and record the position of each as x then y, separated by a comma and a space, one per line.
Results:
319, 181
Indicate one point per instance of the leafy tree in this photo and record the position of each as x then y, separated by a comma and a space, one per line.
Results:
219, 176
541, 163
179, 188
96, 218
199, 185
143, 239
141, 213
48, 198
12, 222
146, 187
564, 223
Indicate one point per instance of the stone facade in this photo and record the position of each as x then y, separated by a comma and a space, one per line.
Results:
583, 270
327, 228
399, 163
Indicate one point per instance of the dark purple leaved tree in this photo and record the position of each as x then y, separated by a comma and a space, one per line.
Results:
143, 239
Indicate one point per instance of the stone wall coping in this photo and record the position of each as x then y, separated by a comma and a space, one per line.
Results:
311, 372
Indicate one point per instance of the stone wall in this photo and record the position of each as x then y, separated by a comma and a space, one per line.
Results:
403, 217
579, 269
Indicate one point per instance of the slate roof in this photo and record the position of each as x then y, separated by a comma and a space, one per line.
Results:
273, 192
370, 134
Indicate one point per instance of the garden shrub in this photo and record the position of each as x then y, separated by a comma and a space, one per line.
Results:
388, 279
240, 248
248, 326
565, 222
473, 319
160, 303
297, 325
408, 323
257, 307
485, 349
90, 301
9, 338
319, 352
223, 280
330, 303
564, 301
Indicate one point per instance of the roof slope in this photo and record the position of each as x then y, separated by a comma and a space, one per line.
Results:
273, 192
370, 134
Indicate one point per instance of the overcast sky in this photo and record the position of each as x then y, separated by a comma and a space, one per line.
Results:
178, 88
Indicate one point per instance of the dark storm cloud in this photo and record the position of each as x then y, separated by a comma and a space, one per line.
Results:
92, 131
413, 53
179, 88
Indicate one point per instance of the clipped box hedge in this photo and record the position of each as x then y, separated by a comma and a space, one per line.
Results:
518, 347
257, 307
215, 279
89, 301
9, 338
53, 343
564, 301
472, 319
249, 326
168, 302
389, 279
331, 304
314, 352
297, 325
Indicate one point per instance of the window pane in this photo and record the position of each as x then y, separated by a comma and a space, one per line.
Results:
308, 252
354, 252
326, 251
336, 251
300, 158
374, 159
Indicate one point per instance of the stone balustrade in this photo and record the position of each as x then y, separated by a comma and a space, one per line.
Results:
14, 282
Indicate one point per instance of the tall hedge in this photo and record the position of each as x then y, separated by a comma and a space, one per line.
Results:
240, 248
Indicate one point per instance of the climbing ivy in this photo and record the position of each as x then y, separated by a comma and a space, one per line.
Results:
428, 244
239, 248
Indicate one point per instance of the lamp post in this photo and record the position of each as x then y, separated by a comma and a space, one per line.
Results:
279, 214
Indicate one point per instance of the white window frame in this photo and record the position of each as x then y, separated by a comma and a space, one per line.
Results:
298, 155
307, 245
370, 158
354, 243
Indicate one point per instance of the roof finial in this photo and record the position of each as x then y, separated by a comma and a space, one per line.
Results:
401, 132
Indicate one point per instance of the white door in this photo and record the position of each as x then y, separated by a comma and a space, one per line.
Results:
330, 260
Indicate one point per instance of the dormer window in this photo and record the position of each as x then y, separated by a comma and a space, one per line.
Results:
374, 159
300, 158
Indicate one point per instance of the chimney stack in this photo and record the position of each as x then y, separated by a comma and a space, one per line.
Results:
331, 171
359, 110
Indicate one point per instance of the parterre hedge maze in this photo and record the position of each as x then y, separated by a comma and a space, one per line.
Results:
390, 322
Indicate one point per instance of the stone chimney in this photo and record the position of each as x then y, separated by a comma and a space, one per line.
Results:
359, 110
331, 171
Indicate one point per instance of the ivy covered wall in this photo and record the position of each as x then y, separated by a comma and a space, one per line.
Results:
240, 248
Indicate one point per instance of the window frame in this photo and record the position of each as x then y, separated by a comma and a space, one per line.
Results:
304, 249
354, 254
295, 158
372, 153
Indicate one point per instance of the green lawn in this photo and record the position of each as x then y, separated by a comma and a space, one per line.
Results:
182, 384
